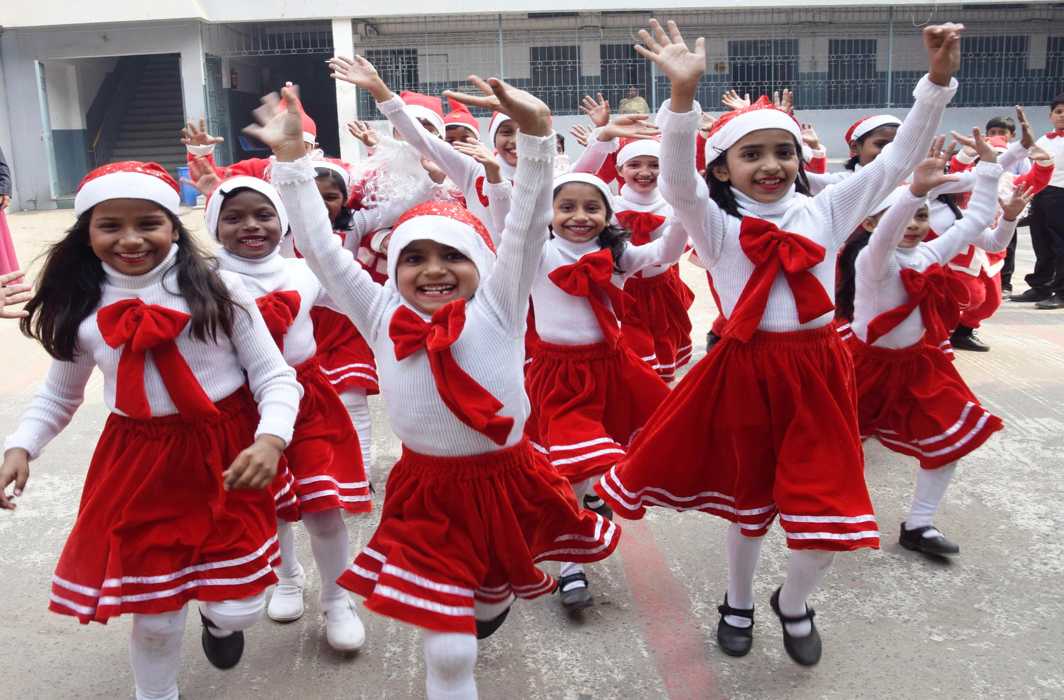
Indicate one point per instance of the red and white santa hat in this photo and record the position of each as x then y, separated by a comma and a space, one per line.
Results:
130, 179
634, 148
213, 212
425, 107
447, 223
736, 124
461, 116
339, 167
497, 120
867, 125
586, 179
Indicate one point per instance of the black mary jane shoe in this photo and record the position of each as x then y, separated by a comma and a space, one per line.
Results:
936, 544
805, 650
965, 338
594, 503
574, 597
486, 628
222, 652
732, 640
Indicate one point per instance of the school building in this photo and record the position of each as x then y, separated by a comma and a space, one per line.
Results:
83, 85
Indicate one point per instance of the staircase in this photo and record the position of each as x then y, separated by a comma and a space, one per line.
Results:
151, 125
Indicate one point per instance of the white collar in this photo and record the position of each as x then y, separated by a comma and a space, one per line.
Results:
764, 210
152, 276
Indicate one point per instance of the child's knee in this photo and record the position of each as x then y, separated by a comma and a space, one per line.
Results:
236, 615
450, 657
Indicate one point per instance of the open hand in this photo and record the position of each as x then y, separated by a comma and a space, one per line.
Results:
202, 176
531, 113
732, 100
810, 137
280, 128
632, 126
784, 100
977, 143
931, 172
581, 133
597, 110
193, 135
11, 294
483, 155
1026, 134
255, 467
683, 66
364, 133
1017, 201
708, 120
359, 72
16, 469
943, 43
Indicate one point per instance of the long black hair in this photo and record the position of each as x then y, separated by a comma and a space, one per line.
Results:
613, 237
855, 160
846, 282
343, 219
721, 192
70, 286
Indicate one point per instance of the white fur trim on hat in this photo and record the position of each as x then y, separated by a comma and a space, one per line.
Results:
497, 120
446, 231
587, 179
641, 147
344, 174
422, 112
743, 124
872, 123
126, 185
217, 198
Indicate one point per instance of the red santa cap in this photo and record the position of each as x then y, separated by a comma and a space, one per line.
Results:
586, 179
633, 148
310, 129
867, 125
461, 116
736, 124
426, 107
130, 179
447, 223
497, 120
213, 211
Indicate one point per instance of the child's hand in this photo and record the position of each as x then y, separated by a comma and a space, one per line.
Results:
581, 133
931, 172
531, 113
202, 176
1039, 155
633, 126
192, 135
364, 133
11, 294
280, 129
16, 469
732, 100
255, 467
810, 137
708, 120
435, 173
1019, 199
361, 73
980, 145
483, 155
1026, 134
682, 66
598, 111
943, 42
784, 101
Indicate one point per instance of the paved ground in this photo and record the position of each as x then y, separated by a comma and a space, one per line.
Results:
989, 624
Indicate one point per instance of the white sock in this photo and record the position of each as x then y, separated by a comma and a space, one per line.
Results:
286, 541
568, 568
357, 404
931, 486
805, 571
155, 653
332, 551
450, 659
743, 554
228, 616
579, 489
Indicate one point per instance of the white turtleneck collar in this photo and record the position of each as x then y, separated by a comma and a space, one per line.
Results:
252, 267
645, 199
764, 210
574, 251
505, 169
149, 278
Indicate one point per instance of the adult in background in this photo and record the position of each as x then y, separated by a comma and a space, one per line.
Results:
634, 103
8, 261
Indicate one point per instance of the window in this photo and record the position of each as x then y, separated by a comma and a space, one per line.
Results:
397, 67
992, 71
1053, 84
620, 67
852, 78
759, 66
555, 74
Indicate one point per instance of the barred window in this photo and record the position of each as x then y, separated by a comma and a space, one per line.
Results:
398, 69
759, 66
1053, 84
993, 71
852, 77
620, 68
555, 72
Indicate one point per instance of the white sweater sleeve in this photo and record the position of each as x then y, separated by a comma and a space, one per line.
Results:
683, 188
972, 227
506, 290
595, 154
874, 261
666, 250
847, 203
351, 287
462, 169
53, 405
500, 198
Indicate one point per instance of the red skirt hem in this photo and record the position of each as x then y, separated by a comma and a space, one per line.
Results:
345, 357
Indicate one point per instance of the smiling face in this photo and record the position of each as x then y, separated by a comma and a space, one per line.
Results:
430, 275
762, 165
248, 225
331, 194
641, 173
506, 142
866, 149
460, 133
917, 230
133, 236
580, 214
1056, 116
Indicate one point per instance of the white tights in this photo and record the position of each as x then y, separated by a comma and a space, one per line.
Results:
357, 404
330, 544
580, 489
450, 659
155, 642
930, 488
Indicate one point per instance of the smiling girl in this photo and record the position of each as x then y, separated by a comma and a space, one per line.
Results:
175, 506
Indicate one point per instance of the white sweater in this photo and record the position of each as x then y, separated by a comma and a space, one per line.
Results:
879, 287
491, 346
1055, 148
219, 367
827, 219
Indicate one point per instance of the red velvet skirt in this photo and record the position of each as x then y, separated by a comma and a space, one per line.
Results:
659, 332
344, 355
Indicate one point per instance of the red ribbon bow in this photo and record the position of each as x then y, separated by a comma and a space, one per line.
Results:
940, 296
279, 310
138, 328
641, 224
772, 251
591, 277
469, 401
1054, 134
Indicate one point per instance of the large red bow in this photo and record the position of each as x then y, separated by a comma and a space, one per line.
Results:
1054, 134
591, 277
469, 401
773, 251
940, 296
138, 328
641, 224
279, 310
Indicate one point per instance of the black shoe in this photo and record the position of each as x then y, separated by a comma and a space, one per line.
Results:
486, 628
1056, 301
1006, 291
594, 502
711, 340
1031, 295
222, 652
802, 650
965, 338
574, 597
937, 545
732, 640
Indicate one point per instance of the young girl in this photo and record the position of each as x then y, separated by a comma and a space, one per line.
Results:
909, 394
766, 424
469, 510
245, 214
589, 392
175, 506
866, 138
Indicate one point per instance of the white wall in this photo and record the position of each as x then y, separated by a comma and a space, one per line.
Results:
64, 105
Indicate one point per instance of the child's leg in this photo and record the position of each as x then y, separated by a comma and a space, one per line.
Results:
930, 488
568, 568
450, 660
332, 552
229, 616
805, 571
155, 652
286, 604
743, 554
357, 404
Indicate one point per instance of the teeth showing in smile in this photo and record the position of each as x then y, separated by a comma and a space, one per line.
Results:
436, 289
253, 241
133, 257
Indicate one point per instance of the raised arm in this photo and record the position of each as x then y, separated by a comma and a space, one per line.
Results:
973, 227
666, 250
996, 240
598, 149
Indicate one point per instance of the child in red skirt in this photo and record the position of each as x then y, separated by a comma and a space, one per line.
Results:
245, 214
175, 506
469, 509
910, 396
766, 423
